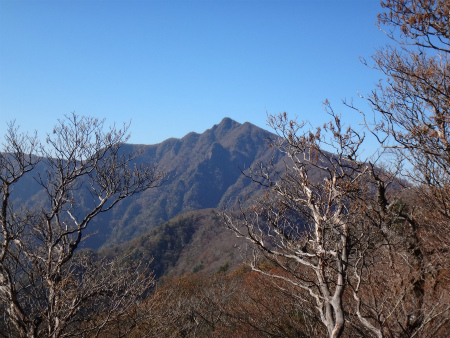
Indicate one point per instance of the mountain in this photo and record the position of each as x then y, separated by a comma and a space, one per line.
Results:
205, 172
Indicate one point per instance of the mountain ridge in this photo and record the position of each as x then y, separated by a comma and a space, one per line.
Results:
205, 170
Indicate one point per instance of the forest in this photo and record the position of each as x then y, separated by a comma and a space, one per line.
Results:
332, 242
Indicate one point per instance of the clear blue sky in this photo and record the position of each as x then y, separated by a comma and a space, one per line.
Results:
178, 66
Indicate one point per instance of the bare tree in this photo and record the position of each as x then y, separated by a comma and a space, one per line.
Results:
46, 285
411, 115
413, 106
316, 188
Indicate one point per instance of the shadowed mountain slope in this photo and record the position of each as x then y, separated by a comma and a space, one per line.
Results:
188, 243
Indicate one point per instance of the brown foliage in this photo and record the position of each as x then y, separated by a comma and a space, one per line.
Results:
242, 303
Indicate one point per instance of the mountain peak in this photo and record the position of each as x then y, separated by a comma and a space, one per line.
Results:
227, 123
218, 131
